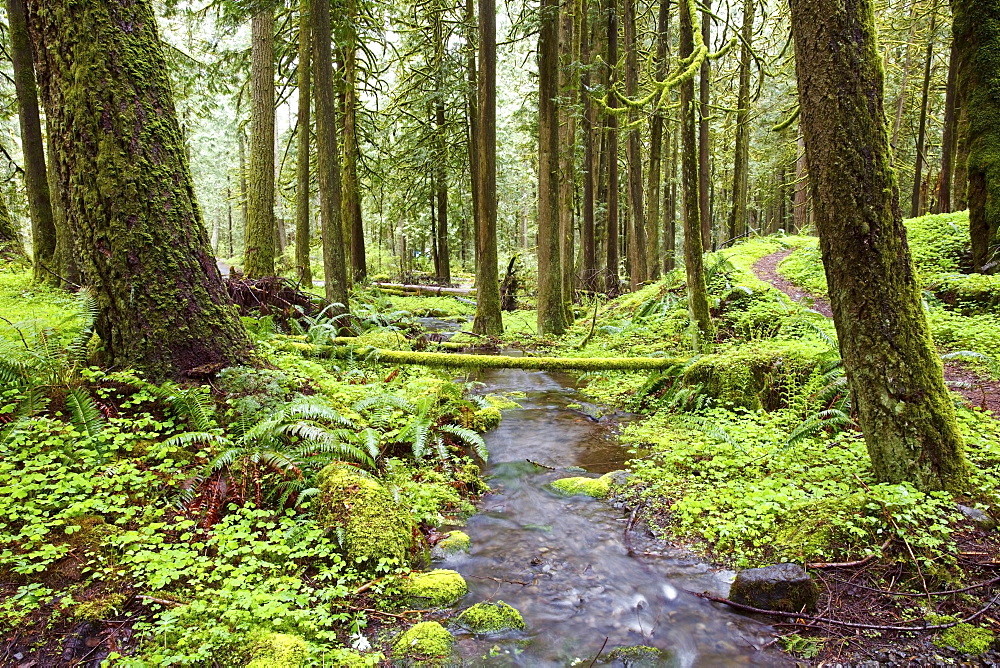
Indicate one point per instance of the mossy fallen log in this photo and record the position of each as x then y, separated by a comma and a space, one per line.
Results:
460, 361
425, 289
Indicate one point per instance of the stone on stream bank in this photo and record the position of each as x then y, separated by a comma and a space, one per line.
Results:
598, 488
453, 543
977, 517
491, 617
377, 532
783, 587
434, 589
424, 644
636, 656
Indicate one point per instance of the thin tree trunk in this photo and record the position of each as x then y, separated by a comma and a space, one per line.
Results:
354, 230
551, 313
800, 213
43, 229
11, 245
637, 218
697, 292
328, 160
741, 159
943, 204
670, 222
259, 246
893, 370
163, 308
591, 161
904, 85
441, 174
611, 280
656, 149
918, 169
488, 318
302, 189
705, 111
472, 114
569, 90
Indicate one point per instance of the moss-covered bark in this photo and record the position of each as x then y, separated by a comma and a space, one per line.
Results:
302, 188
354, 231
43, 230
976, 29
894, 373
258, 254
741, 157
127, 188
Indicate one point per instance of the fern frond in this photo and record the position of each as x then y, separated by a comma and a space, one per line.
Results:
84, 413
469, 438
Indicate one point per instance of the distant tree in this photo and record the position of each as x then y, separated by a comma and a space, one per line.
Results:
259, 251
893, 370
741, 159
11, 246
302, 188
127, 189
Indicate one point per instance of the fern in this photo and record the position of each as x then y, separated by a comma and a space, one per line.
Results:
84, 413
469, 438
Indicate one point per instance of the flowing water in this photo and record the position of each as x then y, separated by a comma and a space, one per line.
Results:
564, 563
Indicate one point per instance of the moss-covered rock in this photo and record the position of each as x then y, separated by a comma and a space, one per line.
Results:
486, 419
491, 617
784, 587
279, 650
425, 644
100, 607
595, 487
454, 542
634, 656
966, 638
377, 532
434, 589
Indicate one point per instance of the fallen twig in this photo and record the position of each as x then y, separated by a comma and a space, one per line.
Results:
851, 564
599, 652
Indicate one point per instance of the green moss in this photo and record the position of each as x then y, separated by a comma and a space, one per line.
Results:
637, 655
376, 532
102, 607
966, 638
279, 650
491, 617
456, 541
486, 419
595, 487
428, 643
434, 589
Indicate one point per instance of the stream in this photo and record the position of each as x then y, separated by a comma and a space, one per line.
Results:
563, 562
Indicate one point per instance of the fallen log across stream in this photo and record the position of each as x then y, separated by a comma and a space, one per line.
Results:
460, 361
425, 289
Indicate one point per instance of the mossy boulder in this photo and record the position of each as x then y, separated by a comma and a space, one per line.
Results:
377, 532
491, 617
453, 543
279, 650
98, 608
424, 644
783, 587
434, 589
486, 419
595, 487
634, 656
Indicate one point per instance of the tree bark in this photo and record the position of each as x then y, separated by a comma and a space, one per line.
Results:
591, 161
488, 318
893, 370
354, 230
977, 37
259, 243
637, 220
670, 222
943, 204
302, 188
741, 158
43, 229
697, 291
441, 175
328, 159
11, 246
551, 314
800, 197
569, 92
612, 283
66, 262
653, 210
918, 168
704, 129
163, 308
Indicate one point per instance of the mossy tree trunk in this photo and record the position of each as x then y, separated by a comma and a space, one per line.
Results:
551, 313
328, 158
259, 243
588, 223
66, 258
918, 168
697, 291
943, 203
302, 187
895, 375
636, 242
704, 134
741, 159
354, 229
653, 198
488, 318
611, 280
443, 264
569, 92
127, 188
11, 246
976, 35
43, 229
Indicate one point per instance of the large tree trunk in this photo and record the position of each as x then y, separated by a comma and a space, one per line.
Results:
354, 229
611, 280
163, 308
551, 313
488, 318
895, 375
43, 229
670, 217
66, 259
653, 209
943, 204
259, 245
741, 160
633, 151
569, 90
918, 168
302, 188
704, 137
697, 292
977, 37
328, 159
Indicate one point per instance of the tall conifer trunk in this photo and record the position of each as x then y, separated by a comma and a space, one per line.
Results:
741, 159
302, 188
943, 204
633, 150
918, 168
611, 279
704, 137
653, 199
259, 243
127, 188
893, 370
354, 230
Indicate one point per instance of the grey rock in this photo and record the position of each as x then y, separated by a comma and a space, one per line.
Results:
784, 587
977, 517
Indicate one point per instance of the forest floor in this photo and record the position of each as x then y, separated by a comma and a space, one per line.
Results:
978, 389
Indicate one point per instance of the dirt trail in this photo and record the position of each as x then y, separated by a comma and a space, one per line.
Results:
976, 389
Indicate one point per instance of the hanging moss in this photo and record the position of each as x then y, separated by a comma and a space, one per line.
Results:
377, 533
